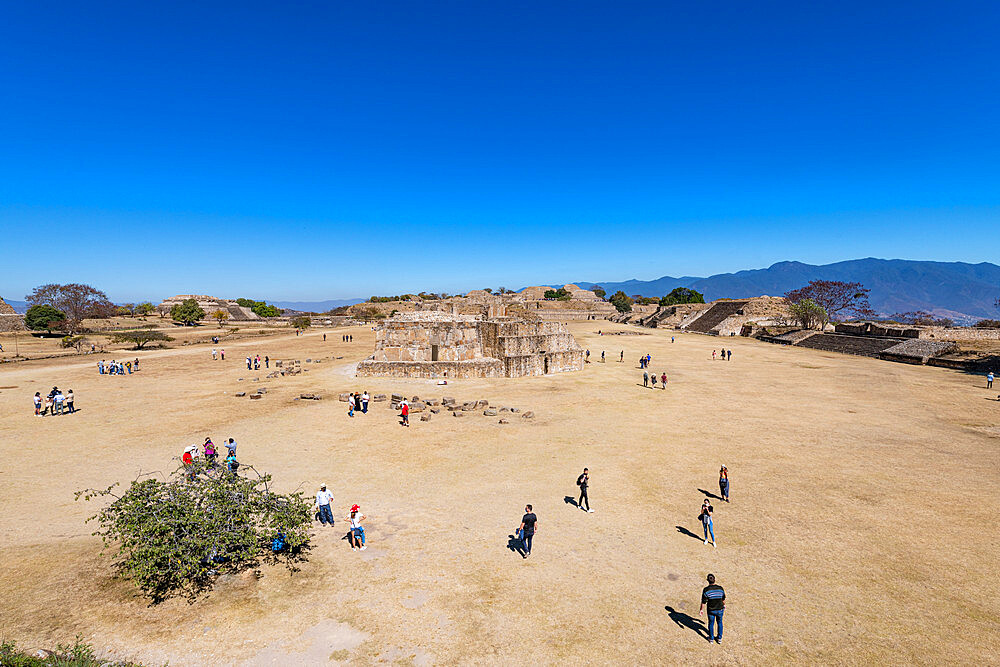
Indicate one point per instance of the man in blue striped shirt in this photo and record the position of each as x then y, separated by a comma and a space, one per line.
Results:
714, 597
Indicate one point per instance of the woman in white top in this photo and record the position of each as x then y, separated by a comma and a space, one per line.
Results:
357, 534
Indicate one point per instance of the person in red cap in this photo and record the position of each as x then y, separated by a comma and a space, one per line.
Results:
357, 535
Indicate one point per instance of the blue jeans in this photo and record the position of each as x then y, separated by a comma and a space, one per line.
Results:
724, 487
713, 618
707, 525
526, 540
325, 514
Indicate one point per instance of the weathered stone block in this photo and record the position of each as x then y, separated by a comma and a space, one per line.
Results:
503, 421
528, 415
378, 398
425, 418
344, 397
490, 412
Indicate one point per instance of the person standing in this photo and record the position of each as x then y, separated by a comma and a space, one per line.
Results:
621, 357
38, 403
324, 338
713, 355
100, 367
653, 378
267, 362
404, 412
645, 379
222, 354
706, 521
583, 481
713, 596
323, 500
602, 356
587, 357
48, 410
723, 354
357, 536
214, 354
989, 380
350, 405
135, 364
724, 484
529, 524
671, 339
364, 402
663, 381
231, 446
729, 355
69, 401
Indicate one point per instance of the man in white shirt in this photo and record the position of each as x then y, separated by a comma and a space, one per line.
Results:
364, 402
323, 500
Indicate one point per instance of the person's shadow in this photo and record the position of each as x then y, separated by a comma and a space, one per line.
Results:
685, 621
709, 494
570, 500
515, 545
685, 531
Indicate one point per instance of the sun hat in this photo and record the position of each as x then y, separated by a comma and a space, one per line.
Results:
355, 508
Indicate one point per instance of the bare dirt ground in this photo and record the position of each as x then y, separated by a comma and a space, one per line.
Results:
861, 528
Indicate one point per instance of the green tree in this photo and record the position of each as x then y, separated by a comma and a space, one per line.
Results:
220, 316
266, 310
175, 537
74, 341
560, 294
145, 308
301, 322
682, 295
139, 337
187, 311
44, 317
76, 300
599, 291
621, 301
809, 314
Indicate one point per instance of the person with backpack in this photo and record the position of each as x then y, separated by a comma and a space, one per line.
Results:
232, 464
583, 481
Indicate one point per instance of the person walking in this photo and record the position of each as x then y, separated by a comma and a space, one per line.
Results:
249, 364
231, 447
621, 357
645, 379
663, 381
583, 481
222, 354
364, 402
357, 535
324, 338
404, 412
256, 363
713, 355
100, 367
323, 500
724, 484
706, 521
135, 364
214, 354
267, 362
729, 355
989, 380
653, 378
38, 403
529, 524
713, 596
671, 339
723, 354
70, 397
350, 405
602, 356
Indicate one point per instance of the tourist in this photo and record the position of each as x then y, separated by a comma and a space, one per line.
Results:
648, 359
989, 380
231, 446
583, 481
621, 358
350, 338
47, 410
323, 500
215, 354
587, 357
222, 354
364, 402
350, 405
663, 381
723, 354
267, 362
249, 364
128, 365
729, 355
324, 338
653, 378
724, 483
256, 363
100, 367
714, 597
602, 356
69, 401
187, 458
135, 364
58, 399
713, 355
231, 463
529, 524
706, 520
671, 339
357, 535
645, 379
210, 452
38, 403
404, 412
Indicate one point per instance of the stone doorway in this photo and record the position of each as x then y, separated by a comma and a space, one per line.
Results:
434, 352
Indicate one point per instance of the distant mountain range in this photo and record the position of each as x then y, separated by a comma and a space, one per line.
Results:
961, 291
316, 306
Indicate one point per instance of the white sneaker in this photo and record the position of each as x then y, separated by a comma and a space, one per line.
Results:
355, 548
364, 547
590, 511
706, 541
714, 545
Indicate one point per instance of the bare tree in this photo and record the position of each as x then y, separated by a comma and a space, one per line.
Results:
835, 297
76, 300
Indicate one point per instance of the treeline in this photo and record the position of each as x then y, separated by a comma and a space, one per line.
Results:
261, 308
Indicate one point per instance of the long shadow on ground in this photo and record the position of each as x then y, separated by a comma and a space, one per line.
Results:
570, 500
515, 545
685, 621
685, 531
709, 494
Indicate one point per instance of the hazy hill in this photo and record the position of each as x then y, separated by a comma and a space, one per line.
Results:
954, 289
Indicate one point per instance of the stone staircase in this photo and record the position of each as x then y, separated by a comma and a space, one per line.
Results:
715, 315
859, 345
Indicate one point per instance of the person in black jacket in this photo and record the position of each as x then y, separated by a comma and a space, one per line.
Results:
583, 481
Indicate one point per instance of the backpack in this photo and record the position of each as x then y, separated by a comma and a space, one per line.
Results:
579, 480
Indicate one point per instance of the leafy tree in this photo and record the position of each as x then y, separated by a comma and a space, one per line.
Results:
560, 294
187, 311
488, 290
502, 290
220, 316
835, 297
809, 314
74, 341
647, 300
599, 291
177, 536
987, 324
302, 322
682, 295
122, 311
76, 300
266, 310
139, 337
44, 317
145, 308
621, 301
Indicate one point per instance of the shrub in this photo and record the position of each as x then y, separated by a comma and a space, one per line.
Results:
987, 324
139, 337
44, 317
187, 311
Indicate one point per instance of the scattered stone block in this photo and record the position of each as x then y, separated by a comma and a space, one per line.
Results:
490, 412
435, 410
528, 415
417, 406
397, 398
309, 361
307, 397
344, 398
255, 396
505, 410
482, 404
378, 398
503, 421
262, 390
456, 413
241, 394
425, 418
433, 401
277, 364
414, 398
448, 400
515, 409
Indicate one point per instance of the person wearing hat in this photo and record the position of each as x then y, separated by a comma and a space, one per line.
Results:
724, 483
404, 412
323, 500
357, 535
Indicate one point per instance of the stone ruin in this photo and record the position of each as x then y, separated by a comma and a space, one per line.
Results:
210, 304
10, 320
433, 344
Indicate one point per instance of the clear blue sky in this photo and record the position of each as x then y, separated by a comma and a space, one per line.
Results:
333, 149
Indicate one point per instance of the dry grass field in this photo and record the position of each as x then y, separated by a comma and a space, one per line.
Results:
861, 528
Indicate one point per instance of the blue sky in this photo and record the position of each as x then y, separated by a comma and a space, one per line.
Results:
322, 150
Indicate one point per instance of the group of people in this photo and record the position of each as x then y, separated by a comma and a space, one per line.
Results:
218, 354
55, 403
346, 338
356, 401
644, 361
117, 367
707, 511
725, 354
647, 377
356, 536
211, 454
253, 363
